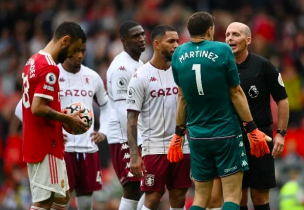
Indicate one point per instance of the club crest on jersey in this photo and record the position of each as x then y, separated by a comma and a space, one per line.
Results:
50, 78
121, 82
86, 79
149, 180
253, 91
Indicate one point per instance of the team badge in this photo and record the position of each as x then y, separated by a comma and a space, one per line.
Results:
121, 82
50, 78
280, 80
62, 183
149, 180
253, 91
86, 79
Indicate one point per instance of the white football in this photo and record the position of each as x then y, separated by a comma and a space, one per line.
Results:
86, 115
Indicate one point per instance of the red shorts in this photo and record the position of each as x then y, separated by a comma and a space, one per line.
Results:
120, 155
160, 173
83, 171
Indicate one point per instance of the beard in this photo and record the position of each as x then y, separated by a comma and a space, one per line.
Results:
166, 55
63, 54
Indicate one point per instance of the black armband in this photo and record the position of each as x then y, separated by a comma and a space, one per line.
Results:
180, 130
249, 126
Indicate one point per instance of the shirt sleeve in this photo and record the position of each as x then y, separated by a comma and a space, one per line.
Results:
119, 83
135, 93
101, 97
104, 118
233, 78
174, 66
274, 82
18, 110
47, 82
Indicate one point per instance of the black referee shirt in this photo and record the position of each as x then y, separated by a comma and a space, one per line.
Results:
260, 79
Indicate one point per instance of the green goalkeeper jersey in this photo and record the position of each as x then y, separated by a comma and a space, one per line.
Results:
205, 70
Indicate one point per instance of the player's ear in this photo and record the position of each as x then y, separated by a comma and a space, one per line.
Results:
156, 44
65, 41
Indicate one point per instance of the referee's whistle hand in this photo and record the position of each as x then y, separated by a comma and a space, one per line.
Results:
278, 145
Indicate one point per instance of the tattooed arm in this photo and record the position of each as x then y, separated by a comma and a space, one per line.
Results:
136, 163
40, 108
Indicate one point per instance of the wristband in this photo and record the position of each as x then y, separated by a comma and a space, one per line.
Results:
180, 130
249, 126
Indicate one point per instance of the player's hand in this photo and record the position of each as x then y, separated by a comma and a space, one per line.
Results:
278, 145
65, 138
137, 166
175, 151
257, 140
97, 137
76, 123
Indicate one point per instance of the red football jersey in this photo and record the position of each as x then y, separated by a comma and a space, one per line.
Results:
41, 136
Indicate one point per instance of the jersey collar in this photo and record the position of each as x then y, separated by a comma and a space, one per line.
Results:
246, 62
43, 53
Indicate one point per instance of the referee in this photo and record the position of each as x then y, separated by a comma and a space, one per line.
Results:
259, 79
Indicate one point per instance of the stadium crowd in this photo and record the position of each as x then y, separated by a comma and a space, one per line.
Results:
27, 25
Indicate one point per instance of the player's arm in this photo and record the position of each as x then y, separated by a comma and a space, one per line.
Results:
134, 105
181, 111
277, 89
45, 92
18, 110
132, 140
175, 152
240, 103
101, 99
119, 86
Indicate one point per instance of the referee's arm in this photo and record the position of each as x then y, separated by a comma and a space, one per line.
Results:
278, 92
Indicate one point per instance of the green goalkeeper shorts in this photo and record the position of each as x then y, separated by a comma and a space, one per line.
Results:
217, 157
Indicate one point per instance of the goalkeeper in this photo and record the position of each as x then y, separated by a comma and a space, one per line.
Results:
209, 94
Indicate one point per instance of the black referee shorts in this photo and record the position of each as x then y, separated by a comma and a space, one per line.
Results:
261, 173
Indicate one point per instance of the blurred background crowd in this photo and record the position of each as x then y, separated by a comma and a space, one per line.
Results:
27, 25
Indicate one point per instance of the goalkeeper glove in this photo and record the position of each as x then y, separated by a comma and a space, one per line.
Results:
175, 151
257, 139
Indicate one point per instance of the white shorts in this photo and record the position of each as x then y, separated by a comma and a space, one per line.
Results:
46, 177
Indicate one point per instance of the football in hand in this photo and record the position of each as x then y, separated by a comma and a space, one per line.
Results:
85, 114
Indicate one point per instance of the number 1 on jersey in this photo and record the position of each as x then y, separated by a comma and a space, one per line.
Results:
198, 77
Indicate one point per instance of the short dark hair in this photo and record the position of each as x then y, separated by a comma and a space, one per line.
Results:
199, 23
125, 27
71, 29
161, 30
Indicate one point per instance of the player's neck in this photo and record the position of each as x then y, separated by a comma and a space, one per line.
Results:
200, 38
241, 57
69, 68
160, 63
133, 55
52, 49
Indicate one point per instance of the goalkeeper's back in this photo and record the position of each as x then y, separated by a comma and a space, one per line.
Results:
205, 70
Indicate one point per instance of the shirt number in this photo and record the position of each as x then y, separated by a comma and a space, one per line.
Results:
198, 78
25, 95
